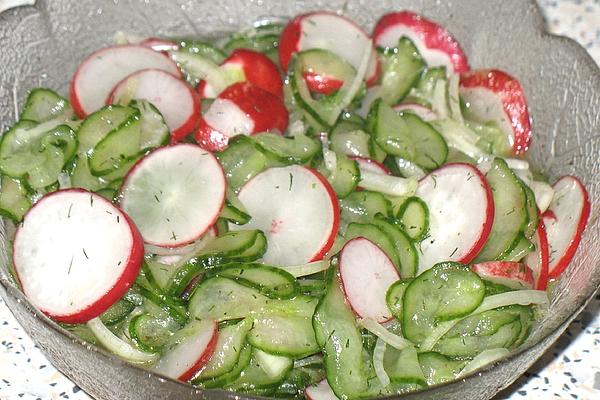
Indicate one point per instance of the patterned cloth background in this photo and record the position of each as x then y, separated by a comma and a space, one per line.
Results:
570, 370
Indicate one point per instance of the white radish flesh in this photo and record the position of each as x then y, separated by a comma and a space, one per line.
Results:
193, 349
102, 70
367, 273
320, 391
76, 254
174, 98
296, 209
461, 212
174, 194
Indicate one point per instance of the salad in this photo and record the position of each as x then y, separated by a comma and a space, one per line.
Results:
295, 210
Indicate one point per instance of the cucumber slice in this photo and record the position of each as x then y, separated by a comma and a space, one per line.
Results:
161, 273
37, 152
402, 366
224, 299
228, 377
284, 335
405, 249
241, 161
287, 150
43, 105
326, 110
362, 206
174, 307
519, 249
345, 177
14, 201
150, 333
271, 281
341, 342
375, 235
446, 291
203, 49
422, 92
394, 296
238, 246
81, 177
99, 124
527, 319
117, 312
233, 209
413, 215
431, 149
390, 131
153, 129
401, 69
117, 148
228, 350
510, 213
492, 139
197, 67
298, 379
532, 212
469, 346
254, 375
438, 368
349, 139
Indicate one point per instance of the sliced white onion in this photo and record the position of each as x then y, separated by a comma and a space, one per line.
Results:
521, 297
482, 359
307, 269
388, 184
388, 337
378, 353
118, 346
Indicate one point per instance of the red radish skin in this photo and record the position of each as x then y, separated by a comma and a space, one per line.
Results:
495, 95
175, 99
322, 84
366, 273
257, 69
215, 181
320, 391
100, 71
435, 43
371, 165
538, 260
442, 196
172, 367
294, 39
511, 274
158, 44
571, 209
256, 109
297, 210
130, 269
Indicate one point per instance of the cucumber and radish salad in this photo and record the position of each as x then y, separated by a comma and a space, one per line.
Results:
299, 209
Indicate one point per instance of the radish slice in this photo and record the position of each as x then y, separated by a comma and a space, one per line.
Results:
435, 44
422, 112
461, 212
194, 347
320, 391
174, 194
102, 70
76, 254
250, 66
241, 109
538, 260
368, 164
493, 95
158, 44
511, 274
324, 30
570, 207
174, 98
320, 83
188, 249
297, 210
367, 273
